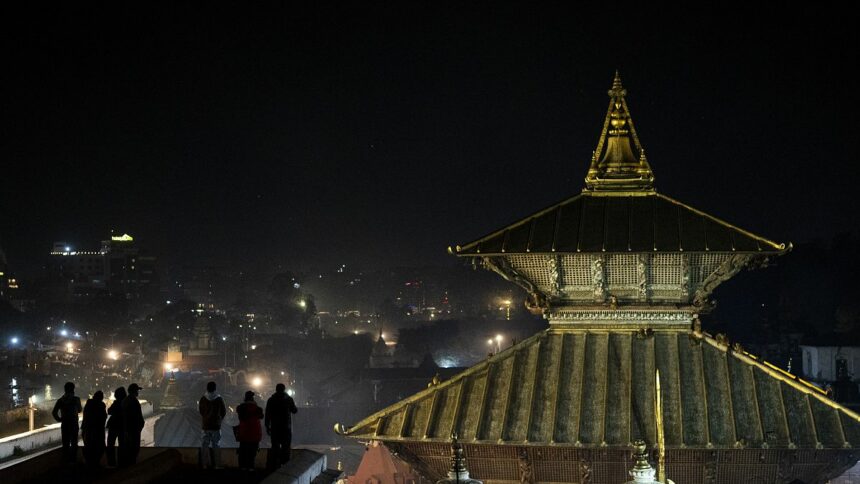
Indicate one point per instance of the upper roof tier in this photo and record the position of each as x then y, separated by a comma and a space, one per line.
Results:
620, 223
619, 210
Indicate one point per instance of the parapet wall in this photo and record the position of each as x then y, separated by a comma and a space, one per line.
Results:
44, 437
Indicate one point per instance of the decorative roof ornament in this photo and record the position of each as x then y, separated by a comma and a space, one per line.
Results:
458, 472
643, 472
619, 163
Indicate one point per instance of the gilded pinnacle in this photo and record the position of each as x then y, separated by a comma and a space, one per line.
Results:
617, 89
619, 164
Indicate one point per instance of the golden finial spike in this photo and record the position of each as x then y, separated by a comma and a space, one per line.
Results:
617, 89
619, 163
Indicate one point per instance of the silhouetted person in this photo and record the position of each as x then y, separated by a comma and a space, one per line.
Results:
212, 411
66, 412
132, 422
279, 426
93, 429
115, 429
250, 431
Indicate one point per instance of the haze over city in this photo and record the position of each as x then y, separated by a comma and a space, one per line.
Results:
422, 221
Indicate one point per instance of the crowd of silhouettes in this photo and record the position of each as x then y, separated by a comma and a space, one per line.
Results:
249, 432
124, 423
123, 420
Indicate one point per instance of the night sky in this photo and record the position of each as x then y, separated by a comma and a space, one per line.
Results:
379, 136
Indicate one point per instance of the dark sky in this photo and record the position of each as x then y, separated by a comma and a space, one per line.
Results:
381, 135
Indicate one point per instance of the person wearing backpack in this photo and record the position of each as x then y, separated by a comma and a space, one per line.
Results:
66, 412
212, 411
249, 432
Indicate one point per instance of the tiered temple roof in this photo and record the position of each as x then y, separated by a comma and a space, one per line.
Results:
622, 273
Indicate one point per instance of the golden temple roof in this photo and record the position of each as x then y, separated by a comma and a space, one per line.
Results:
621, 223
619, 210
596, 388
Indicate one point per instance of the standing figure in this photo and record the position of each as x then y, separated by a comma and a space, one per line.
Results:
115, 428
212, 411
279, 426
93, 429
132, 423
66, 412
250, 431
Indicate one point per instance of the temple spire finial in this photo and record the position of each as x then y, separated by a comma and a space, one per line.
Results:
614, 165
617, 89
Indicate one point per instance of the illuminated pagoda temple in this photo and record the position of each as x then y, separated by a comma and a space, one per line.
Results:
621, 272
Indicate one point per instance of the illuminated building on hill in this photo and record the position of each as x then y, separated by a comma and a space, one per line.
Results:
622, 273
117, 267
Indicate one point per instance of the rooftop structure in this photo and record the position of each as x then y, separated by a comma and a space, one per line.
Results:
622, 273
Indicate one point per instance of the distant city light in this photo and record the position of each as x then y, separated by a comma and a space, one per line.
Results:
498, 338
291, 392
64, 333
303, 304
257, 381
282, 373
253, 347
168, 301
69, 347
223, 338
14, 340
113, 354
168, 366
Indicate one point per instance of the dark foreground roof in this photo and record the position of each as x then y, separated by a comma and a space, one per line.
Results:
595, 389
635, 222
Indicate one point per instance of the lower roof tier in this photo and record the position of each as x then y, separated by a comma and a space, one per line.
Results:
597, 388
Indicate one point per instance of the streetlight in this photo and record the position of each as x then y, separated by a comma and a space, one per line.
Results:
70, 347
31, 412
507, 309
257, 381
303, 304
14, 340
113, 354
